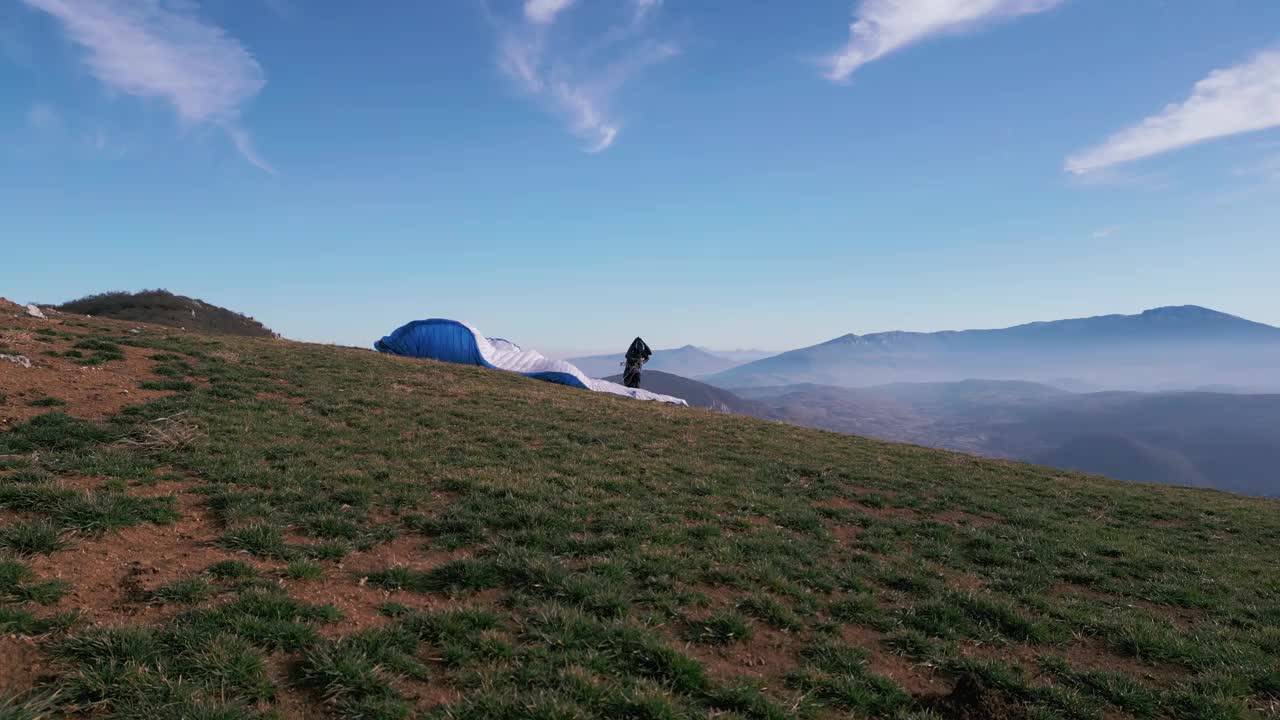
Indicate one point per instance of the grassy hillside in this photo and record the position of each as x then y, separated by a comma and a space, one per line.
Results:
165, 308
301, 530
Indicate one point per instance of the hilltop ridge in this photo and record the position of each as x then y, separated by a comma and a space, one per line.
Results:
165, 308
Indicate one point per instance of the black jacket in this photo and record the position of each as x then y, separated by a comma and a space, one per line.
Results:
638, 353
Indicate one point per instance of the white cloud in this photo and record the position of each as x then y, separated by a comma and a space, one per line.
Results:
1105, 232
544, 12
642, 8
244, 144
43, 117
161, 49
1239, 99
519, 54
578, 80
584, 116
883, 26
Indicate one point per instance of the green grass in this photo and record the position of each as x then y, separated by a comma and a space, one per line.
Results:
606, 558
231, 570
169, 384
33, 537
16, 586
54, 431
99, 511
193, 666
189, 591
46, 402
265, 541
723, 628
772, 612
304, 570
101, 351
837, 676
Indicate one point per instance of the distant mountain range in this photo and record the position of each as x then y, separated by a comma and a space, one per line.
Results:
687, 361
740, 357
1185, 346
1224, 441
1175, 395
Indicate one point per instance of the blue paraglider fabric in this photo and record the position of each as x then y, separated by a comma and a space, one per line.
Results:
456, 342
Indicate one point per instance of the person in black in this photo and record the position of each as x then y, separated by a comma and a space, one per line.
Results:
637, 355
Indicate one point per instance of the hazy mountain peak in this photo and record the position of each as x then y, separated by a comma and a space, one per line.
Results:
687, 361
1176, 346
1186, 312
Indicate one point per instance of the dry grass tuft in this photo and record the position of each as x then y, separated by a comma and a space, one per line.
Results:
174, 431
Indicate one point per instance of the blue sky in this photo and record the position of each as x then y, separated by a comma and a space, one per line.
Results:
571, 174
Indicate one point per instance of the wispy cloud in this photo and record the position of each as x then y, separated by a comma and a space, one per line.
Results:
163, 49
1239, 99
642, 8
1105, 232
1115, 177
543, 12
884, 26
244, 144
577, 78
43, 117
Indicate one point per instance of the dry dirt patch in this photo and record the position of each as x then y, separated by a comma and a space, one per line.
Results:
20, 664
91, 392
109, 575
916, 679
767, 655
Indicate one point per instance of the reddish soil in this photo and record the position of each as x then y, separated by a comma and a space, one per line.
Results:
1091, 655
110, 574
345, 586
876, 512
1180, 616
20, 664
965, 583
1081, 655
767, 655
79, 482
960, 518
91, 392
970, 700
919, 680
846, 534
281, 397
290, 703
